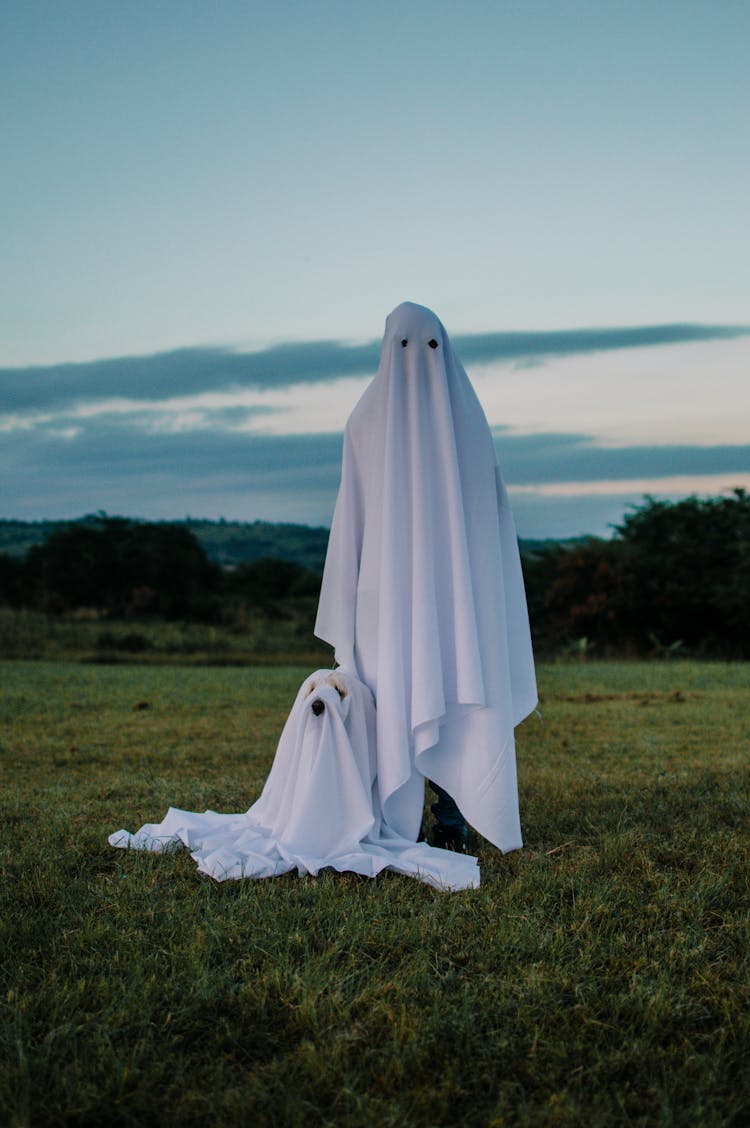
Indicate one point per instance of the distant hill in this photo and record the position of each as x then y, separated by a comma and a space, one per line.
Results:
238, 542
226, 542
17, 537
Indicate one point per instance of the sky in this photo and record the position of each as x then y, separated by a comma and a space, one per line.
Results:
207, 210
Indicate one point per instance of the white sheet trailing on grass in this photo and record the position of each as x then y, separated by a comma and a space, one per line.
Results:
318, 809
422, 592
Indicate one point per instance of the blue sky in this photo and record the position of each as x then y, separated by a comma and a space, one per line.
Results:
208, 209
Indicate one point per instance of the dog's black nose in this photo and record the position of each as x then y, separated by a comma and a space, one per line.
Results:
317, 706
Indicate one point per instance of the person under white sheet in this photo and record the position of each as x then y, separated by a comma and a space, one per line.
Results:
422, 594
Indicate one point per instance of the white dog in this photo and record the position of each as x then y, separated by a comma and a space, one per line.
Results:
319, 808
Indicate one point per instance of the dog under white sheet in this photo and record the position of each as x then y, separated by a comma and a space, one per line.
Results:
319, 807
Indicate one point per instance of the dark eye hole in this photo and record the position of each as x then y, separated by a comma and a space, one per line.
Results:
404, 343
432, 343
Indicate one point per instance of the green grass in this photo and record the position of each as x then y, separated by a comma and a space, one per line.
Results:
252, 637
599, 976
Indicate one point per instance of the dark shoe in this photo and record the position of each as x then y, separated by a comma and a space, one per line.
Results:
449, 838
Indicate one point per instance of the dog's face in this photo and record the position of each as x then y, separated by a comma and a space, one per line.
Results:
319, 690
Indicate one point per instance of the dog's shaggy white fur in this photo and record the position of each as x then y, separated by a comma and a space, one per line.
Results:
333, 679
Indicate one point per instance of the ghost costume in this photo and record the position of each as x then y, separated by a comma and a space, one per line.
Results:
422, 593
318, 808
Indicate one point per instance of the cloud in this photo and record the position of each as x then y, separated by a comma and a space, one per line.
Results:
184, 372
117, 468
488, 347
564, 485
258, 436
572, 482
557, 458
106, 447
200, 370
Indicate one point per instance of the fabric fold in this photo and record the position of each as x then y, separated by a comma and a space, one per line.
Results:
319, 808
422, 587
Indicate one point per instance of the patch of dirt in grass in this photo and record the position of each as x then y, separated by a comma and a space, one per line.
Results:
647, 697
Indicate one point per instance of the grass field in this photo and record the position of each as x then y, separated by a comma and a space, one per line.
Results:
88, 637
598, 977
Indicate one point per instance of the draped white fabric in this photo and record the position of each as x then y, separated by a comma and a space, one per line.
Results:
422, 592
423, 600
318, 809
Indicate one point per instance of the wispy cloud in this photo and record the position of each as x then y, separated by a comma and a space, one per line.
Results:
531, 460
678, 485
184, 372
215, 432
105, 464
486, 347
144, 473
203, 370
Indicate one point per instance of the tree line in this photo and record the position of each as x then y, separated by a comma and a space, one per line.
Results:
674, 578
128, 569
